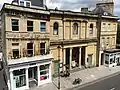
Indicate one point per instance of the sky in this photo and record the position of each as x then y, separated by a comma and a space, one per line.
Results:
73, 5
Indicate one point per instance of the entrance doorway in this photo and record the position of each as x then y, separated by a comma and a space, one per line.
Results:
75, 57
33, 78
67, 57
83, 56
89, 60
102, 59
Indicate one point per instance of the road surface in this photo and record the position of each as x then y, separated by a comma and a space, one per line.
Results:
112, 83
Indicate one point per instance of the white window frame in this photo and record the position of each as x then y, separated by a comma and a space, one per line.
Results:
22, 1
16, 47
27, 2
15, 25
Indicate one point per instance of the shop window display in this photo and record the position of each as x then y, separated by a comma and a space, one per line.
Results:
44, 72
19, 78
106, 59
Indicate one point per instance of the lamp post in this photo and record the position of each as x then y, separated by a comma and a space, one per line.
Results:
58, 67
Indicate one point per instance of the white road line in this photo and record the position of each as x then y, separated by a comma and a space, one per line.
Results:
112, 89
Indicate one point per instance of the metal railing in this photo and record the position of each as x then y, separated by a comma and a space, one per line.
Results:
45, 52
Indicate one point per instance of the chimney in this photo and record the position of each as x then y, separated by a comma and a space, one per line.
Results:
15, 2
84, 10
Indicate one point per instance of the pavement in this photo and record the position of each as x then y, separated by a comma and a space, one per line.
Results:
88, 76
112, 83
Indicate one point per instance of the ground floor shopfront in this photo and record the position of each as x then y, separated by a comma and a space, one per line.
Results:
29, 72
75, 56
112, 57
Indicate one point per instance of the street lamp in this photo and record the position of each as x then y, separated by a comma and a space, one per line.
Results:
58, 67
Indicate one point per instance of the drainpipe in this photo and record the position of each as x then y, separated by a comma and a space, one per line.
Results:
98, 38
62, 43
63, 25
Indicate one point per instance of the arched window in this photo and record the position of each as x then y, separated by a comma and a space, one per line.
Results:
91, 29
55, 28
75, 28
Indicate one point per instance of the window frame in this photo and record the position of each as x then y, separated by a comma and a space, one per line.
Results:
23, 3
91, 29
42, 49
75, 28
14, 54
27, 2
30, 49
17, 25
44, 72
55, 28
42, 28
16, 76
30, 26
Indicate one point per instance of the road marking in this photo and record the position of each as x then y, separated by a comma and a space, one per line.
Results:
112, 89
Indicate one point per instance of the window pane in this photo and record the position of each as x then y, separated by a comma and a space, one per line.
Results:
29, 25
91, 29
30, 49
42, 48
30, 53
44, 72
15, 53
18, 72
75, 28
42, 30
29, 28
14, 22
42, 67
21, 3
43, 26
15, 26
29, 45
27, 4
19, 78
55, 28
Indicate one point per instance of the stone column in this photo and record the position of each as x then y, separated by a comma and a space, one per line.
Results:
70, 36
38, 72
80, 57
50, 73
11, 81
80, 29
71, 31
64, 61
71, 58
27, 80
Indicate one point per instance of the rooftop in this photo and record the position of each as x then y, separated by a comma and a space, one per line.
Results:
47, 11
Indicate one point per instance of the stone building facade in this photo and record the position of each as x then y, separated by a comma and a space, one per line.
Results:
31, 37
